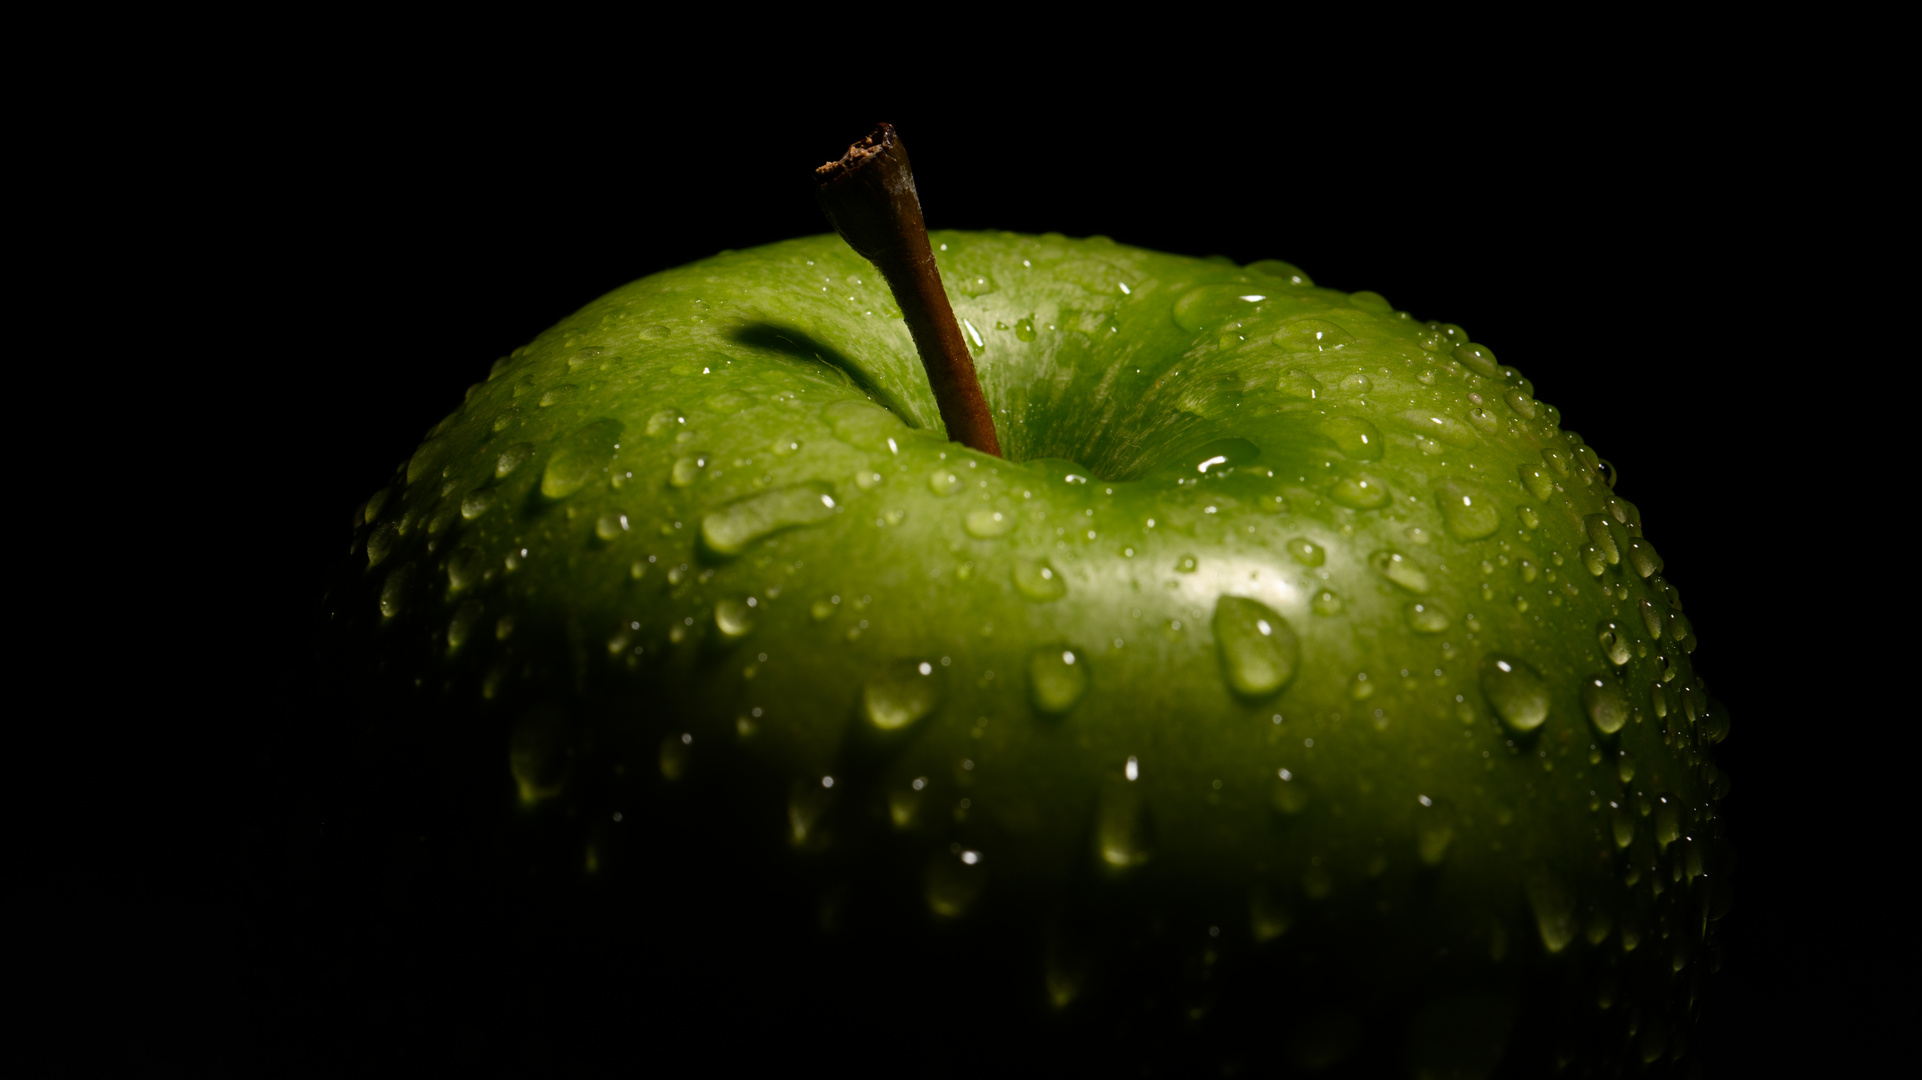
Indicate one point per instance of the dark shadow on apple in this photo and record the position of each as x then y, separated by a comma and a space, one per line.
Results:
798, 344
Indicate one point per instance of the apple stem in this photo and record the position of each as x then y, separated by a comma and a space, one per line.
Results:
870, 200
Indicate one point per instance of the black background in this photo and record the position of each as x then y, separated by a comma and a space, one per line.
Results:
359, 255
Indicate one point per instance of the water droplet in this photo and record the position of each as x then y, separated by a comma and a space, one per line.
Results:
1354, 437
1360, 491
729, 530
664, 420
1186, 564
863, 424
380, 542
944, 481
1426, 618
1268, 917
611, 525
1306, 551
464, 567
393, 594
1024, 329
986, 523
1259, 650
1516, 691
1601, 531
733, 618
1530, 519
1607, 706
903, 692
1057, 677
1479, 359
1641, 556
953, 883
1554, 910
1123, 831
1537, 481
1289, 794
1614, 643
1557, 460
1205, 306
1621, 821
1037, 579
1297, 383
822, 610
462, 625
580, 458
1325, 602
686, 470
506, 418
1434, 831
512, 458
476, 504
1467, 511
538, 753
1436, 426
1275, 268
676, 750
1522, 404
1397, 568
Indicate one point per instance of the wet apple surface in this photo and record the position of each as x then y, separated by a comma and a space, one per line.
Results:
1292, 637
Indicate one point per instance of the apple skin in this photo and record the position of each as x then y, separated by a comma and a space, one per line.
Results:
1304, 640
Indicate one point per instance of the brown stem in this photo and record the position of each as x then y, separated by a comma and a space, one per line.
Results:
870, 200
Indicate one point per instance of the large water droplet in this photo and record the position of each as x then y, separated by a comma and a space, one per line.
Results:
1312, 335
944, 481
729, 530
1397, 568
1259, 651
1123, 832
1479, 359
1289, 794
1605, 703
865, 425
512, 458
903, 692
733, 618
580, 458
1641, 556
611, 525
1360, 491
987, 523
1516, 691
1199, 308
1275, 268
1354, 437
1306, 551
464, 567
1614, 642
1057, 677
953, 882
1425, 618
380, 542
538, 753
1601, 531
1297, 383
1037, 579
1554, 909
1436, 426
461, 627
1434, 831
1467, 510
476, 503
393, 594
1537, 481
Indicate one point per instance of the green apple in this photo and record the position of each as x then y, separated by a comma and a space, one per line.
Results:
1295, 665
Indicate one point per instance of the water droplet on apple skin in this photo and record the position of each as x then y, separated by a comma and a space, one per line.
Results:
1259, 651
1057, 679
902, 693
1515, 690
